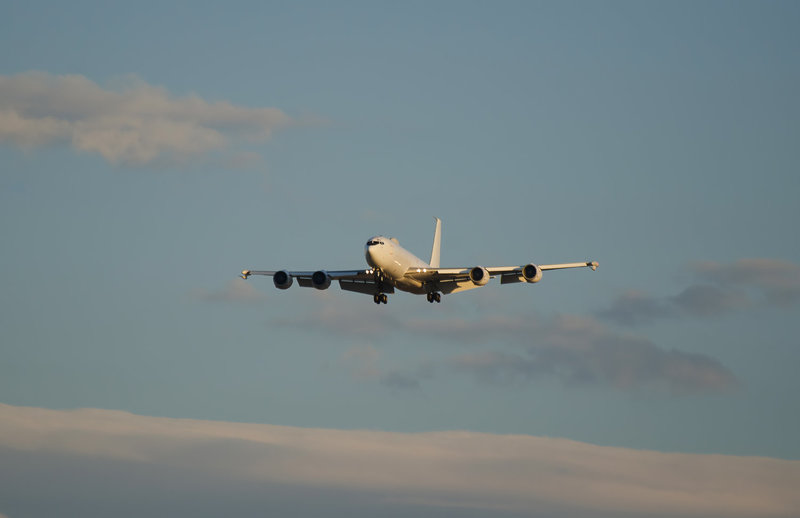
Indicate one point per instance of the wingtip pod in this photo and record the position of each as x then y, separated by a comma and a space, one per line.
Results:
245, 274
593, 265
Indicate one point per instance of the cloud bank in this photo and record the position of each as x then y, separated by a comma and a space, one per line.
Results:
134, 124
133, 464
719, 289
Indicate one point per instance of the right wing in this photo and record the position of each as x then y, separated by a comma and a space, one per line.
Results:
591, 264
361, 281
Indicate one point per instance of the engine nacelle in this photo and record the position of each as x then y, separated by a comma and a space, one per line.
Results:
321, 280
282, 280
479, 276
531, 273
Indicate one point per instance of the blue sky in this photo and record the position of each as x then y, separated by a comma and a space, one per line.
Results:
148, 153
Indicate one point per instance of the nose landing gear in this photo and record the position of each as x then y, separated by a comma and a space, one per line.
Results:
434, 297
379, 298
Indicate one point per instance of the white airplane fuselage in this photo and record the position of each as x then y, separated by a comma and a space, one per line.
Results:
386, 254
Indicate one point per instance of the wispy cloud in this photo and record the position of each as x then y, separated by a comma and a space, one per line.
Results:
575, 350
719, 289
136, 123
776, 280
236, 290
583, 351
257, 468
363, 364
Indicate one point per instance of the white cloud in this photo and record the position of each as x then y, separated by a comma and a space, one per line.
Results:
136, 123
524, 475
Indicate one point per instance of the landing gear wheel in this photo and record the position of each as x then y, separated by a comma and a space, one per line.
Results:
437, 297
377, 298
384, 298
429, 296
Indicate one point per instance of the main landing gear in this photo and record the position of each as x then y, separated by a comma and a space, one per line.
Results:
435, 296
380, 298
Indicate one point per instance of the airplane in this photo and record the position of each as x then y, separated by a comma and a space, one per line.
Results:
392, 266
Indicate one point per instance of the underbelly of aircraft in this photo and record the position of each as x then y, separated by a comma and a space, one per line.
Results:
410, 285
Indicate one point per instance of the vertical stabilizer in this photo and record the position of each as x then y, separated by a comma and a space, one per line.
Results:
437, 244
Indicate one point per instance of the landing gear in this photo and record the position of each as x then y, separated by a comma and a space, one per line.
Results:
380, 298
434, 296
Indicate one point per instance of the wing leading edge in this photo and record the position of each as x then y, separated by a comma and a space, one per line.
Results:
333, 274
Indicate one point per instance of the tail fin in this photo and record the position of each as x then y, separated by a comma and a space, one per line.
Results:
437, 244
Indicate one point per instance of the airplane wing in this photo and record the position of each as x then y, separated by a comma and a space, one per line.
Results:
361, 281
453, 280
333, 274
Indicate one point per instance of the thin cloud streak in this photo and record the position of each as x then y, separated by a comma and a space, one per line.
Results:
527, 475
236, 290
135, 124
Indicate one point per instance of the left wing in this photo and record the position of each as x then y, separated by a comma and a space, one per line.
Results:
453, 280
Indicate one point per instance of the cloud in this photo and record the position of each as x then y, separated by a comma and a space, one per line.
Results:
236, 290
720, 289
342, 320
778, 281
634, 307
397, 379
362, 362
134, 124
578, 351
708, 300
132, 464
583, 351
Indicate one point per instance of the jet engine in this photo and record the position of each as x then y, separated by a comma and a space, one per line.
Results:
321, 280
282, 280
479, 276
531, 273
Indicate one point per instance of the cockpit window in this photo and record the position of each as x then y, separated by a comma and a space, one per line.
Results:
374, 242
